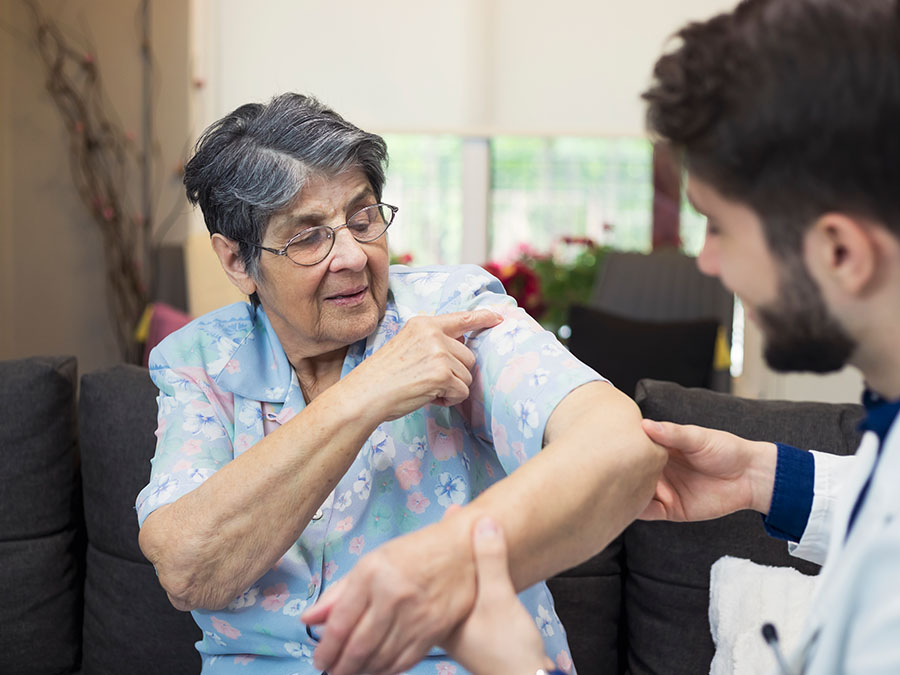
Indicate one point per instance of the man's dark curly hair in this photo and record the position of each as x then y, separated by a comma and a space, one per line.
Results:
790, 106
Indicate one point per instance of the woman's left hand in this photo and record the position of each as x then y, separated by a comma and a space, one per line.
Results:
398, 601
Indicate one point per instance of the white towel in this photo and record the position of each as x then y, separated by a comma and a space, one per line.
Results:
742, 597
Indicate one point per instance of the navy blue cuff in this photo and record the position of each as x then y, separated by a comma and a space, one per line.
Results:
792, 495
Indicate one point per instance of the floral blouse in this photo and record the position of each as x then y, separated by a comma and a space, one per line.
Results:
225, 382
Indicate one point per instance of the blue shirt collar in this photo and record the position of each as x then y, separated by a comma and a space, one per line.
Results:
265, 374
880, 414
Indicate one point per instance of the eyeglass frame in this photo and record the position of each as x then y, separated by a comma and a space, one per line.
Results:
283, 250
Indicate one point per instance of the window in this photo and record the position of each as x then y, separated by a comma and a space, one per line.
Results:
424, 179
546, 188
540, 189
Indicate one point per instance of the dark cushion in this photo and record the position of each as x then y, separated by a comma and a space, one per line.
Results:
626, 350
126, 611
40, 621
129, 625
588, 601
666, 585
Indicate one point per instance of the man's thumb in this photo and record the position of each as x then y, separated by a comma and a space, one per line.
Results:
490, 553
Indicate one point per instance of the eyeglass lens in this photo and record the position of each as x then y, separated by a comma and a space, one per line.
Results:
314, 244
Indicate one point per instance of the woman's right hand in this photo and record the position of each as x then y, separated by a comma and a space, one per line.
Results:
426, 362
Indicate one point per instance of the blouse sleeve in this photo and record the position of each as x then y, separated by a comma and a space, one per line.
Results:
521, 373
194, 432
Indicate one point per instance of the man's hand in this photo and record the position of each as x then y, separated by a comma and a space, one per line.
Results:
709, 474
499, 637
397, 602
426, 362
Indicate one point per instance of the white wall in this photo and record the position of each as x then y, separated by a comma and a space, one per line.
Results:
759, 381
469, 66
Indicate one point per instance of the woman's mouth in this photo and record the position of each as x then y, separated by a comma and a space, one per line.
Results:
351, 296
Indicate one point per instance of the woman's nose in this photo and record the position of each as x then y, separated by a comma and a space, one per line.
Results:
347, 253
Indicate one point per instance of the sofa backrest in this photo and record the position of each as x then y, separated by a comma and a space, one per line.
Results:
666, 585
40, 560
129, 625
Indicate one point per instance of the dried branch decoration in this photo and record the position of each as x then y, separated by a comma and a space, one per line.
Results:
105, 162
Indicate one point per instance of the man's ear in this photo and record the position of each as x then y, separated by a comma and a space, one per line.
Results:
844, 251
228, 252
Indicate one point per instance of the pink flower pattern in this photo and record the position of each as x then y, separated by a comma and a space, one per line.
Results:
444, 442
275, 597
191, 446
417, 502
408, 473
564, 661
225, 628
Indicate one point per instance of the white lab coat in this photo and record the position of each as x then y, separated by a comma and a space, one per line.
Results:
854, 621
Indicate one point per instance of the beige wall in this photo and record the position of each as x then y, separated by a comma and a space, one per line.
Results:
54, 277
6, 276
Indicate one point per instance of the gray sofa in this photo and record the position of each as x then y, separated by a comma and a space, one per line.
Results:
79, 596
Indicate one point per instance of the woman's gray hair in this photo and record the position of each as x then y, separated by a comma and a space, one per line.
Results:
251, 164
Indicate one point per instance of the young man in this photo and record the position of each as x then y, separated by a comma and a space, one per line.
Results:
786, 114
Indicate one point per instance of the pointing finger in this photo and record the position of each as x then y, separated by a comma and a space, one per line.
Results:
456, 324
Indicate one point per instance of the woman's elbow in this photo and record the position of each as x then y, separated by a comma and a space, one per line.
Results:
177, 573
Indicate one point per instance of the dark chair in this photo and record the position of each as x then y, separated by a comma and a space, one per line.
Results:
627, 350
664, 286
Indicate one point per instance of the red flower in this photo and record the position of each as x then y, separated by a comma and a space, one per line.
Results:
521, 282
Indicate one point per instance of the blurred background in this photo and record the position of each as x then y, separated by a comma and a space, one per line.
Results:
515, 132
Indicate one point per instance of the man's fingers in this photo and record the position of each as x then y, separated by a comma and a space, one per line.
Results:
686, 438
456, 324
491, 564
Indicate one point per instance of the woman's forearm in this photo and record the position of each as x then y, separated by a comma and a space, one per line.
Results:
595, 475
217, 540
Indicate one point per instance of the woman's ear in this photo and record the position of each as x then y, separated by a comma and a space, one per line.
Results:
228, 252
844, 251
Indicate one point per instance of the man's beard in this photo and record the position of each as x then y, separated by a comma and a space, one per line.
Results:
800, 332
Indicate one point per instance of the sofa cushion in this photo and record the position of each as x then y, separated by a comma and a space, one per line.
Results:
126, 611
588, 600
666, 585
626, 350
129, 625
40, 574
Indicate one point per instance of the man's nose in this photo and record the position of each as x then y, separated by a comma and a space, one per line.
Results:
708, 259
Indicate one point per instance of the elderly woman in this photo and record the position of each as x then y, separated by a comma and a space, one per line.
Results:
347, 404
